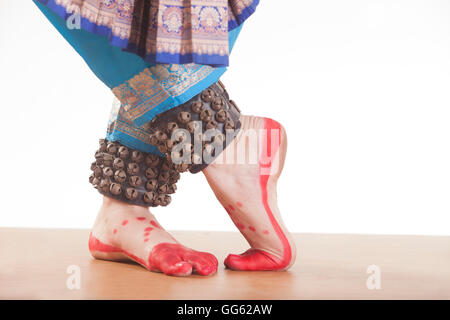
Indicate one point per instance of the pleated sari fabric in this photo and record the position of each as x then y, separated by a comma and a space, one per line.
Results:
153, 54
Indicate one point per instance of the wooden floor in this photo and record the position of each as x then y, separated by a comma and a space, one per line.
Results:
34, 262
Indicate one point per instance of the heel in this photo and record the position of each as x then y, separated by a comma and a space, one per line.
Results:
102, 251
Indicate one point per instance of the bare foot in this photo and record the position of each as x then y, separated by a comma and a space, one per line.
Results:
247, 191
127, 232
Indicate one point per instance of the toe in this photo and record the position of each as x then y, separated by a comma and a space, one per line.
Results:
173, 265
203, 264
233, 261
253, 260
210, 258
167, 260
179, 269
177, 260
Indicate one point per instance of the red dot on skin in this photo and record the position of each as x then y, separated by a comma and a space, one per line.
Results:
146, 234
115, 231
146, 239
231, 207
140, 218
266, 231
239, 204
154, 223
148, 229
240, 226
124, 222
252, 228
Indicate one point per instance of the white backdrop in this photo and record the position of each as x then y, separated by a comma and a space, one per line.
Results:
361, 86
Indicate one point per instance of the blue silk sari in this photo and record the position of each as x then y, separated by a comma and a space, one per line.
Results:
153, 54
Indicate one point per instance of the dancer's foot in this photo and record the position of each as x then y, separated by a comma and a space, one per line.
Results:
247, 191
128, 232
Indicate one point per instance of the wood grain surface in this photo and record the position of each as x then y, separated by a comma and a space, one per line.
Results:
34, 262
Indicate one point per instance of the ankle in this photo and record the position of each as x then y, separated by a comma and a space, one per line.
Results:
116, 205
108, 202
